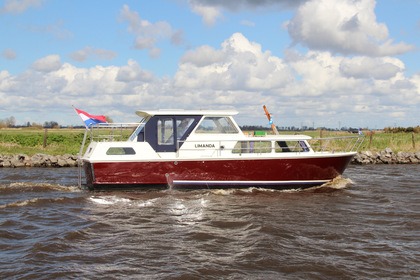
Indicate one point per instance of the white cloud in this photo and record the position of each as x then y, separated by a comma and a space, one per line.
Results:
203, 56
211, 10
47, 64
238, 65
252, 5
301, 89
19, 6
94, 53
366, 67
247, 23
148, 34
9, 54
132, 72
343, 26
55, 29
208, 13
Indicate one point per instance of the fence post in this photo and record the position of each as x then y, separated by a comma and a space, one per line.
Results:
320, 141
45, 138
412, 140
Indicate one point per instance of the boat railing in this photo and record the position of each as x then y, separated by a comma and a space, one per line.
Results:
243, 146
107, 132
267, 145
337, 144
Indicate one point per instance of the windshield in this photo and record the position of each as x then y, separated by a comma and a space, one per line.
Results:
216, 125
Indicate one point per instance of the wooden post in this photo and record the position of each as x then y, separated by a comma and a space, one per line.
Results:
412, 140
45, 138
370, 138
320, 141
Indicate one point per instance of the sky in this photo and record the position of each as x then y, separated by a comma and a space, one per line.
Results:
322, 63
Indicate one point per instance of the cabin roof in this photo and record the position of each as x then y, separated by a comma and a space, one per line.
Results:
174, 112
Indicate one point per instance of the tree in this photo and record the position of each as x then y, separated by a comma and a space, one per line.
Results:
51, 124
10, 122
108, 119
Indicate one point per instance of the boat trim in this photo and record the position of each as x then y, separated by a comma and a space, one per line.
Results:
246, 183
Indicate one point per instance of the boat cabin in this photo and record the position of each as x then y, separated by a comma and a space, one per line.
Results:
167, 131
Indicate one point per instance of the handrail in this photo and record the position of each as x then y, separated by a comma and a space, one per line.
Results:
117, 132
114, 131
353, 143
257, 146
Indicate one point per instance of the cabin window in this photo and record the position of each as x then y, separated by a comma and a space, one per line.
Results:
182, 126
120, 151
165, 131
291, 146
216, 125
243, 147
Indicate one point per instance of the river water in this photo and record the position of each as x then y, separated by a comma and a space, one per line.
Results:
365, 225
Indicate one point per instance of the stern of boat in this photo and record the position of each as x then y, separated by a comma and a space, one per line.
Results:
90, 177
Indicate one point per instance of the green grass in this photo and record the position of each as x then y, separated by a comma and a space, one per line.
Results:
68, 141
31, 141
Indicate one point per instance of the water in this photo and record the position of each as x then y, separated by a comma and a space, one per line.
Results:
363, 226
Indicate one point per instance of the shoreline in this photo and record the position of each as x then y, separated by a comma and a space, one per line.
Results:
386, 156
38, 160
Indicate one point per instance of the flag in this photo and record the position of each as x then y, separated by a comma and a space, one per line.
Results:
89, 119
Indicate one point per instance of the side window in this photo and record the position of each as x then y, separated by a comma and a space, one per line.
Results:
252, 147
182, 126
291, 146
165, 131
120, 151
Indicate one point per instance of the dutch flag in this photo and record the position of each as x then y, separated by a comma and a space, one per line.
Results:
89, 119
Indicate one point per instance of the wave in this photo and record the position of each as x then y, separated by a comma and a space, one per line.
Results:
338, 183
250, 190
109, 200
32, 201
37, 187
115, 200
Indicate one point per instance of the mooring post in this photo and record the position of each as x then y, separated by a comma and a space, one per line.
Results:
412, 140
370, 138
45, 138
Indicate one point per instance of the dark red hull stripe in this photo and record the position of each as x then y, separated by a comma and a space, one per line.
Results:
312, 171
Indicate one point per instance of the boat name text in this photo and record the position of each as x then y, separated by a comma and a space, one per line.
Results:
205, 146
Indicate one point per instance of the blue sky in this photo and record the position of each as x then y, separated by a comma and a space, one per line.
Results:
324, 62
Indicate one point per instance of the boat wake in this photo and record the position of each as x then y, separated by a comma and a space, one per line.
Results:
251, 190
338, 183
109, 200
144, 199
115, 200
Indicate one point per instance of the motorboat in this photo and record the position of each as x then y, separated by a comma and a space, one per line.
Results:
204, 149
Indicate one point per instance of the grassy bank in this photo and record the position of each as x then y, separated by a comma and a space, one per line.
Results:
68, 141
34, 141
